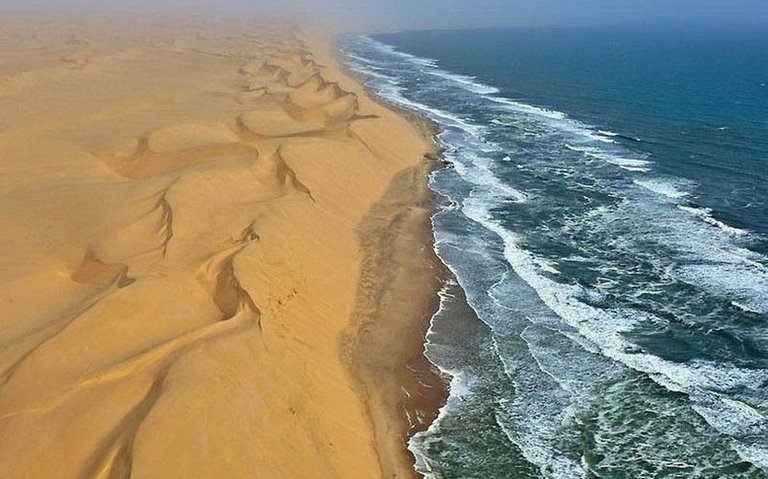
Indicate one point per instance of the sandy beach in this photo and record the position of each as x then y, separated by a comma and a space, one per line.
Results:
216, 256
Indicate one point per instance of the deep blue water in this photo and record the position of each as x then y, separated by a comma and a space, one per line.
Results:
605, 212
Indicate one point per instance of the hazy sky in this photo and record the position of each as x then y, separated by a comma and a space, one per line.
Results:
392, 14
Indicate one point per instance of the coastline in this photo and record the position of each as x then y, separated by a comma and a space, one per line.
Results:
209, 255
401, 277
565, 346
398, 295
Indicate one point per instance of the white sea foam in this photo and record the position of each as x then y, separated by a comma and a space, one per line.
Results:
706, 257
463, 81
555, 119
745, 307
370, 72
476, 170
561, 121
528, 109
631, 164
595, 153
547, 410
662, 187
706, 215
757, 455
459, 388
607, 133
599, 138
700, 380
635, 169
579, 149
732, 417
611, 134
466, 82
734, 277
395, 52
535, 450
358, 58
394, 93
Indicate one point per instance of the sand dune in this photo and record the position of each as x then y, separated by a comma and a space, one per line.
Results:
182, 254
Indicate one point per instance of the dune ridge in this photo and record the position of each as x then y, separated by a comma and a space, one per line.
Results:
187, 252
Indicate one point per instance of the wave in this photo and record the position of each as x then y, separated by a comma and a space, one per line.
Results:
479, 173
395, 52
639, 166
458, 388
705, 214
664, 187
351, 56
757, 455
602, 331
607, 133
668, 188
611, 134
745, 282
529, 109
556, 119
467, 82
628, 164
394, 93
605, 329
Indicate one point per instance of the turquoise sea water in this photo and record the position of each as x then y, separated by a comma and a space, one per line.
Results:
605, 212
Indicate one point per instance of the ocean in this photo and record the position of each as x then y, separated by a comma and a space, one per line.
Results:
604, 215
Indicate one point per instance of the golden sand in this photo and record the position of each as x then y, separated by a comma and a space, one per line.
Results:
203, 227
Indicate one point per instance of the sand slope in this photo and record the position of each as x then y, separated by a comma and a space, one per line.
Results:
180, 251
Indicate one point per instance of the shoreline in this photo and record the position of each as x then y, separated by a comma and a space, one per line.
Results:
397, 298
403, 390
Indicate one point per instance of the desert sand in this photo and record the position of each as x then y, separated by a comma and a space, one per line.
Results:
215, 257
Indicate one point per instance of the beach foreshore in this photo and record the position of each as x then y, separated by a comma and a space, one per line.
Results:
398, 294
217, 255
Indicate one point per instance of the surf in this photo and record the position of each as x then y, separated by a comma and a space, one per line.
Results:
510, 165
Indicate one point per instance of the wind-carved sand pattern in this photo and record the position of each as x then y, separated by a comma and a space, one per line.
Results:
185, 205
